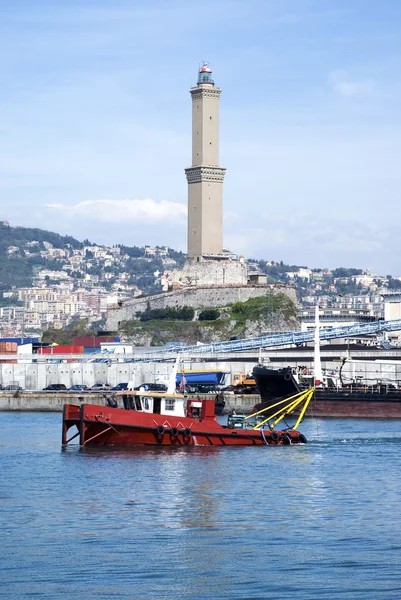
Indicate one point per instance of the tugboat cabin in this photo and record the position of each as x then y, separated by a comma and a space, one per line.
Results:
161, 403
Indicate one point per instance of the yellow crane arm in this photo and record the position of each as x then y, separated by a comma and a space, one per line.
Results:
259, 412
308, 399
288, 408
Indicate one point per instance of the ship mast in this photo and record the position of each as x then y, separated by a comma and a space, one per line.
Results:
171, 386
317, 360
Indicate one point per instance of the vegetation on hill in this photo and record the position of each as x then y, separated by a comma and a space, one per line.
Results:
20, 260
158, 333
17, 269
184, 313
16, 236
257, 316
209, 314
343, 272
263, 310
79, 328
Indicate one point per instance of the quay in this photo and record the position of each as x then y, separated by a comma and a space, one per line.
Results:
54, 402
33, 372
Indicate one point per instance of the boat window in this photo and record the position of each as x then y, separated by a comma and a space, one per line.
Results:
169, 403
138, 403
145, 403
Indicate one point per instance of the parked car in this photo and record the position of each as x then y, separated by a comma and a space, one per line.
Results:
201, 388
55, 387
100, 387
78, 388
120, 387
12, 387
152, 387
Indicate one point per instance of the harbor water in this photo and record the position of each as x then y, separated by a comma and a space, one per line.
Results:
321, 520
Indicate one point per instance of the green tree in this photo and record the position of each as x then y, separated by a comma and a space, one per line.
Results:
209, 314
78, 328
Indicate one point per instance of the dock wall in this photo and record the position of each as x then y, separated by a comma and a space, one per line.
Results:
49, 402
20, 402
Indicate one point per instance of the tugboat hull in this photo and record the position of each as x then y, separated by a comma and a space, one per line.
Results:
105, 426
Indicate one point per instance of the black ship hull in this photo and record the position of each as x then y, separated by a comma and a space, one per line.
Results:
382, 402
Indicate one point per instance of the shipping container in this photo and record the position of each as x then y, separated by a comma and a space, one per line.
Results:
92, 350
62, 350
8, 348
94, 341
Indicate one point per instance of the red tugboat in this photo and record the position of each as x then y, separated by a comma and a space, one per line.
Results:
167, 419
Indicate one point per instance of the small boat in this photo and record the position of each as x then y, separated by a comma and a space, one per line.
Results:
165, 419
171, 419
202, 377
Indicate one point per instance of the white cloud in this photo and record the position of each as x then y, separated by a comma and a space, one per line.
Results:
146, 211
341, 84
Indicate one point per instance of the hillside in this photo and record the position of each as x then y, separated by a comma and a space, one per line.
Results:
24, 252
33, 257
258, 316
16, 267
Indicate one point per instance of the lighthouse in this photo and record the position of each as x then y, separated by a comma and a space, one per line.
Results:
207, 264
211, 276
205, 176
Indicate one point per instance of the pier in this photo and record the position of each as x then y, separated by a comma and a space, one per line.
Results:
55, 401
33, 373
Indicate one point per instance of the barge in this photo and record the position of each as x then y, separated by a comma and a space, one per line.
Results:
331, 398
380, 401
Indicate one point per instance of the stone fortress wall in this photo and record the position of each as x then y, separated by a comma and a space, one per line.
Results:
210, 296
210, 272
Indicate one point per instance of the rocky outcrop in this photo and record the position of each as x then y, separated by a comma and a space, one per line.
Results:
156, 333
196, 297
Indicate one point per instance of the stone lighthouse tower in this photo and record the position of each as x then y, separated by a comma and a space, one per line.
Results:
205, 177
207, 263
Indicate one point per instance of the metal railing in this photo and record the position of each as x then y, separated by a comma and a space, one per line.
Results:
294, 338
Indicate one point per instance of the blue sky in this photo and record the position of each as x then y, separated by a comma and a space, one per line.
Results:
95, 122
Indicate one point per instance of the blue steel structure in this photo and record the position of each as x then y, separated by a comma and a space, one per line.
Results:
294, 338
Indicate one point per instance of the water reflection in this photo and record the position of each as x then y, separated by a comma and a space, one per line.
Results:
312, 521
